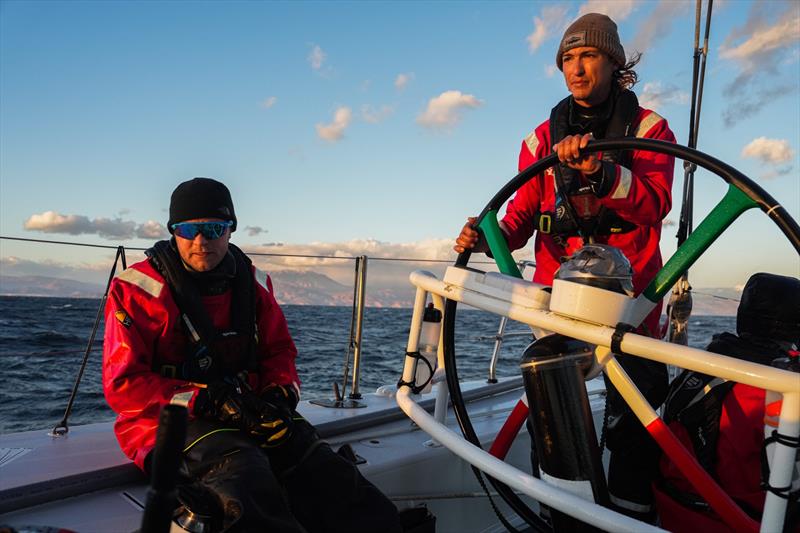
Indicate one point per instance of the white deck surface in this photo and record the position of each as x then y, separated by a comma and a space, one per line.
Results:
401, 460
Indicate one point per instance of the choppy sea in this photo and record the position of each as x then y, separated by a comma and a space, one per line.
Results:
42, 342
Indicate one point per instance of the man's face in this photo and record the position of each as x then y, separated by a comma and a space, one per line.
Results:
588, 74
203, 254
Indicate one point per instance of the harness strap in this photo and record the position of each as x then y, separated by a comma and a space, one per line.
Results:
201, 363
624, 109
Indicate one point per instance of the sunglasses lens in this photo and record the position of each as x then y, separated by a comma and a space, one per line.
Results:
210, 230
186, 230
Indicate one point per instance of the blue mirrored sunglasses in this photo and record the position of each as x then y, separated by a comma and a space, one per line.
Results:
210, 230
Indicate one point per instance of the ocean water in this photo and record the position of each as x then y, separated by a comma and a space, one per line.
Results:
42, 341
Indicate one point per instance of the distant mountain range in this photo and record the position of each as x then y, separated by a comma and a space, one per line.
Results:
311, 288
48, 286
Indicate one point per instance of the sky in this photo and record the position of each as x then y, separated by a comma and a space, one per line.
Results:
354, 128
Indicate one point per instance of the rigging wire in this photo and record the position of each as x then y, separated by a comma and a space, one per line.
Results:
62, 428
679, 308
257, 254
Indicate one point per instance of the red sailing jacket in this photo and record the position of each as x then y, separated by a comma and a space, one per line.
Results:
641, 195
738, 463
143, 331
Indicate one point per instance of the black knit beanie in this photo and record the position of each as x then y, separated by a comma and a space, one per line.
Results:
592, 29
200, 198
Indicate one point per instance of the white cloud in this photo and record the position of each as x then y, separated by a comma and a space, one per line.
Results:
375, 115
252, 231
152, 230
550, 70
109, 228
381, 273
445, 110
772, 151
316, 57
760, 49
618, 10
335, 130
743, 105
658, 24
655, 95
268, 102
52, 222
551, 22
763, 39
402, 80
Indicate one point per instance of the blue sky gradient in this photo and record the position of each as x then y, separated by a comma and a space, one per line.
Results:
106, 106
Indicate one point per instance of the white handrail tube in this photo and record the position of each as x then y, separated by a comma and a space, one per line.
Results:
779, 476
536, 488
442, 393
756, 375
723, 366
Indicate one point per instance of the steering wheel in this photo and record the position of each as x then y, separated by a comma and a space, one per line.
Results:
743, 194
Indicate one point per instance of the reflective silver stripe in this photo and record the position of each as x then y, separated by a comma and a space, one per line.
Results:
532, 142
143, 281
629, 505
182, 398
647, 123
623, 185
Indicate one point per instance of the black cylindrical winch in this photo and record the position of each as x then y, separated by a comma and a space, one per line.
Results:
565, 441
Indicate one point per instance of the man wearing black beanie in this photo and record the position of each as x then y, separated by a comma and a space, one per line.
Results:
191, 325
617, 198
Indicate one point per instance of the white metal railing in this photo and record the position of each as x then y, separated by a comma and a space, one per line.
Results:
756, 375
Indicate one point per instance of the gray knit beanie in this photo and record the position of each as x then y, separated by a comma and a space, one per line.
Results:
592, 29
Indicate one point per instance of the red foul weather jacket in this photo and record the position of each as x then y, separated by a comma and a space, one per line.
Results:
641, 195
143, 331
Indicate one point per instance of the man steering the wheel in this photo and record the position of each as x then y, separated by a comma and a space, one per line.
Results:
619, 198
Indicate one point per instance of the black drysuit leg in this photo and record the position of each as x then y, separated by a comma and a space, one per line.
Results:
236, 474
327, 493
634, 454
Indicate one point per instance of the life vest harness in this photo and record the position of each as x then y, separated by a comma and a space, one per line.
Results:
211, 354
578, 211
696, 402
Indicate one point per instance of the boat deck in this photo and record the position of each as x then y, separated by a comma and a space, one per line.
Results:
53, 481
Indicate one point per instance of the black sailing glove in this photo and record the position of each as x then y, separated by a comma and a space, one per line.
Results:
234, 405
293, 448
281, 395
275, 406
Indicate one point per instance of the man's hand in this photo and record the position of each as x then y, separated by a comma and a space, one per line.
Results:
221, 401
241, 408
470, 239
284, 395
568, 151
